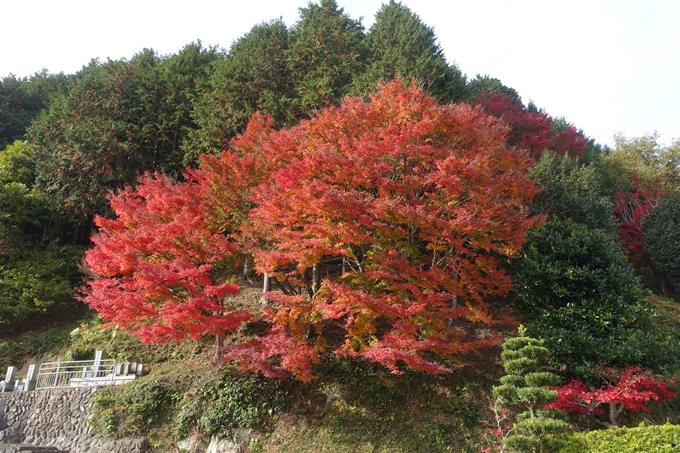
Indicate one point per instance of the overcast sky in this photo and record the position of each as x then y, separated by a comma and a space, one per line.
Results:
605, 65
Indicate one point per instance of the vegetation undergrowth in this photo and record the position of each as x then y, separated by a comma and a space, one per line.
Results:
647, 439
352, 406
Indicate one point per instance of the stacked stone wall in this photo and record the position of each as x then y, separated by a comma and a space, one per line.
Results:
57, 418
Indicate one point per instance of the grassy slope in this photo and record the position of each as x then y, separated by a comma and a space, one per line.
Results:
351, 407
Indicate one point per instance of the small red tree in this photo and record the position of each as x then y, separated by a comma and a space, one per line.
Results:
632, 392
159, 265
387, 222
631, 208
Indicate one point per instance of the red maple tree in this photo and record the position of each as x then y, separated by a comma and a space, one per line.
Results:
531, 130
633, 391
631, 208
384, 227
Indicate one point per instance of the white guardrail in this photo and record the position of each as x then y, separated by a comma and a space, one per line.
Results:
76, 373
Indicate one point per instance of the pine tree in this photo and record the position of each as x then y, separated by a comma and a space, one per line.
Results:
401, 45
253, 77
525, 388
326, 54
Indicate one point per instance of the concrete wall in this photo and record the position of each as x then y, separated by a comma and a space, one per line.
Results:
57, 417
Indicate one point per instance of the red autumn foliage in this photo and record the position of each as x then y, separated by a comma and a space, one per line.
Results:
157, 264
383, 224
530, 130
633, 391
384, 228
631, 208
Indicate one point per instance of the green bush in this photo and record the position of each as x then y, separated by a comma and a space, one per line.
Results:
118, 345
571, 191
662, 239
239, 401
134, 408
643, 439
13, 352
35, 280
575, 289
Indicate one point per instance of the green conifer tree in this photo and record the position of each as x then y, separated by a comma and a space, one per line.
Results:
526, 389
254, 76
401, 45
326, 54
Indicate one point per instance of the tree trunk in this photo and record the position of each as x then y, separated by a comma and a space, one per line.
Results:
266, 287
218, 346
315, 278
615, 410
246, 270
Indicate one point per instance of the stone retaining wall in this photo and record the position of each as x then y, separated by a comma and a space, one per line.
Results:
59, 418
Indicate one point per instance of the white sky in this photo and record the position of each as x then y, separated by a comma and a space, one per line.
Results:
606, 65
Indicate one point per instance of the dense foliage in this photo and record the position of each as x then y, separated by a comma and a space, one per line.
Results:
648, 439
632, 393
118, 120
254, 76
403, 207
401, 46
377, 225
326, 53
530, 128
36, 271
571, 192
577, 291
351, 228
21, 100
662, 238
158, 262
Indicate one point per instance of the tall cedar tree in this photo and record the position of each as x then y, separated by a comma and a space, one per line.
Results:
118, 120
532, 130
400, 45
253, 77
384, 227
326, 54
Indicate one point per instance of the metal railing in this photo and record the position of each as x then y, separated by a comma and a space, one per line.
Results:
76, 373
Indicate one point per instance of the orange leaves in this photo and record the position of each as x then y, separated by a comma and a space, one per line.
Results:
403, 207
383, 224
